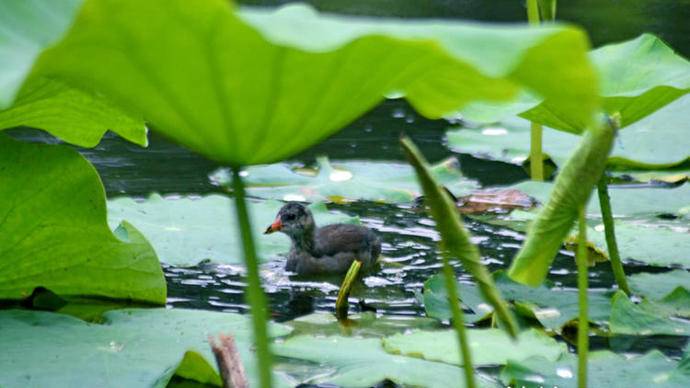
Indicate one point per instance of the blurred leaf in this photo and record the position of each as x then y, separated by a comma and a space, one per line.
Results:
454, 237
53, 231
605, 369
28, 27
75, 116
185, 231
260, 86
132, 348
659, 141
488, 346
366, 324
571, 190
362, 362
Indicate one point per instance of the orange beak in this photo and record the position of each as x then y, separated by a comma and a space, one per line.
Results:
274, 227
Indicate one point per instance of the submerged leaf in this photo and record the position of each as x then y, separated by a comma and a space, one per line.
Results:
53, 231
258, 86
185, 231
571, 191
132, 348
340, 181
488, 346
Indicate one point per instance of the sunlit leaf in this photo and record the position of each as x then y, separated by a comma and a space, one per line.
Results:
571, 190
346, 181
264, 85
133, 348
75, 116
488, 346
185, 231
53, 230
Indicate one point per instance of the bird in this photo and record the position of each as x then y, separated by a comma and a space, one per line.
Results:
326, 250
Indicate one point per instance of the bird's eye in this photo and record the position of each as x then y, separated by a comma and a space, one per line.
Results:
290, 217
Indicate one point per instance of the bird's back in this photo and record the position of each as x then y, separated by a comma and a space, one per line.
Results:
340, 238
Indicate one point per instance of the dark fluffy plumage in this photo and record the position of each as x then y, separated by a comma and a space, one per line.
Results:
324, 250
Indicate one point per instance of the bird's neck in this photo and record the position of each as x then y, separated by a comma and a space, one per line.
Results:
304, 241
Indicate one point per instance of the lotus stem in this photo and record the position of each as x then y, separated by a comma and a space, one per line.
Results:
533, 12
536, 156
254, 292
341, 304
458, 321
582, 286
610, 233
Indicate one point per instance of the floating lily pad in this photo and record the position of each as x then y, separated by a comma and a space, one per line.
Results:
552, 307
658, 285
185, 231
54, 234
488, 346
604, 369
133, 348
638, 146
362, 362
366, 324
647, 318
390, 182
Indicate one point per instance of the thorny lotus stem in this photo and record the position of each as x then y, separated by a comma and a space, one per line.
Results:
458, 321
254, 293
610, 233
341, 304
582, 286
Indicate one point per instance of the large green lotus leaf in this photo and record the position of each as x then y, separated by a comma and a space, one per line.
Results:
388, 182
655, 142
362, 362
551, 306
132, 348
185, 231
53, 230
260, 86
604, 369
658, 285
75, 116
488, 346
647, 318
637, 77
